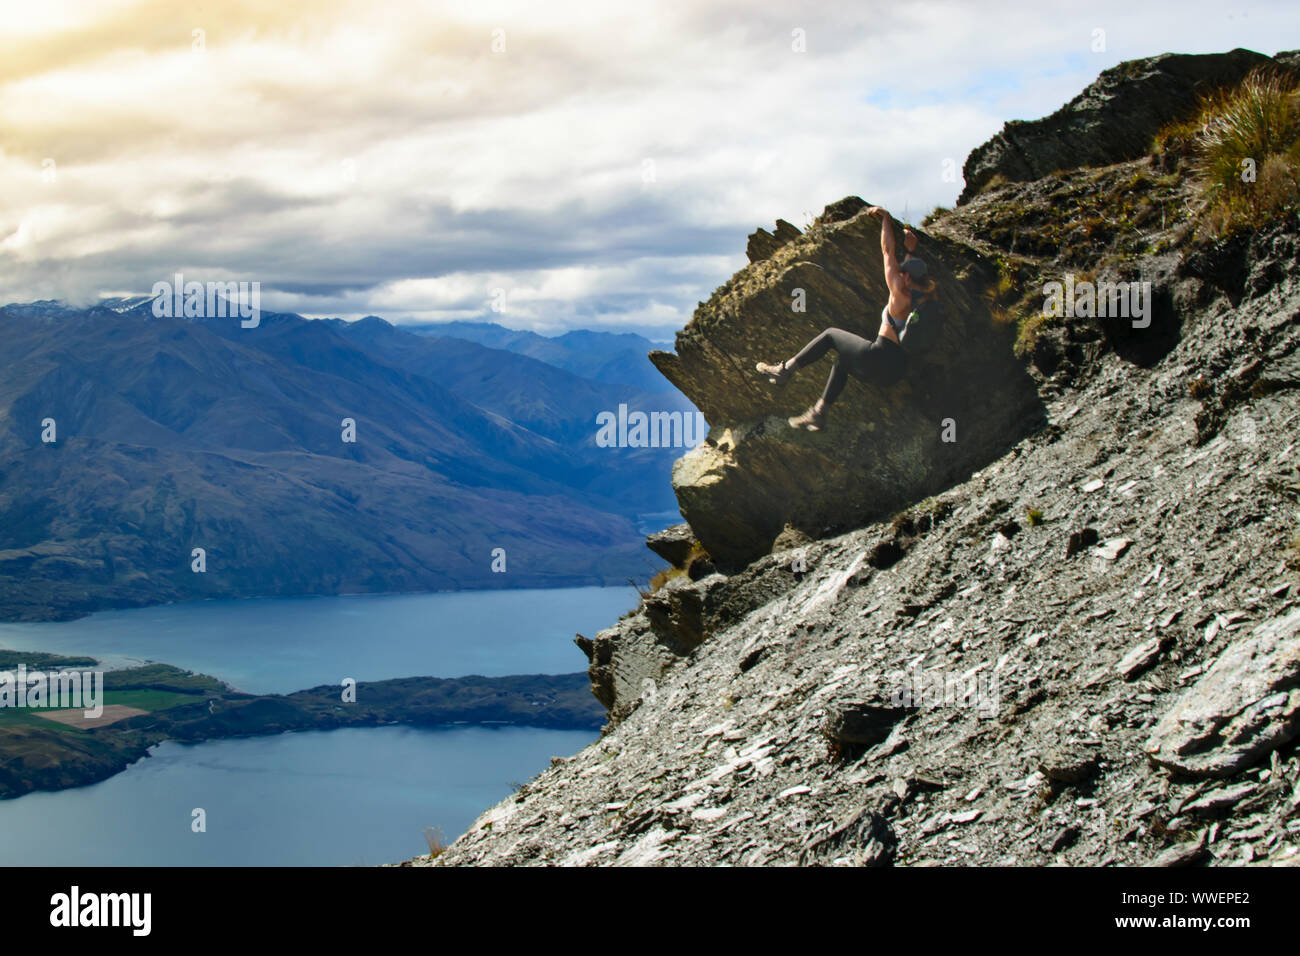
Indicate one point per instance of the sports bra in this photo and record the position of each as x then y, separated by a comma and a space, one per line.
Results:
898, 325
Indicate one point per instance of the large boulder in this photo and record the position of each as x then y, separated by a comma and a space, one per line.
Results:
1114, 119
882, 449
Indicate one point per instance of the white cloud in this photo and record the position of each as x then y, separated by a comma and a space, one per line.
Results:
379, 157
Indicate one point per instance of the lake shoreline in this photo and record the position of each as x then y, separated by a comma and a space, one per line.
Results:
276, 786
20, 613
38, 754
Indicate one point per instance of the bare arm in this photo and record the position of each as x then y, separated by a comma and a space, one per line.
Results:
893, 274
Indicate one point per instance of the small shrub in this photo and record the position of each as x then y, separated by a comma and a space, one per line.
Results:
1277, 186
1030, 327
1257, 120
433, 837
996, 181
1006, 285
1293, 554
938, 508
1101, 230
1178, 136
1198, 387
1034, 517
663, 577
934, 214
1003, 316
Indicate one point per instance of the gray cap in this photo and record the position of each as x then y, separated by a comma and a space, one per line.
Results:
914, 267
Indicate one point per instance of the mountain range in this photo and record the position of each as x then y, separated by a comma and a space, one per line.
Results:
616, 358
172, 434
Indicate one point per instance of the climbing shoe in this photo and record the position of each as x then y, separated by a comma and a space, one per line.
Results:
813, 419
776, 374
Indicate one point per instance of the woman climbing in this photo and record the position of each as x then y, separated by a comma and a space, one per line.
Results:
879, 361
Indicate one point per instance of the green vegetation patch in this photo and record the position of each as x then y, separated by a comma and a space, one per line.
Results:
1244, 146
163, 677
39, 660
150, 700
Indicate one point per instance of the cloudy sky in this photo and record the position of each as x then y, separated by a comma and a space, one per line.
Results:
581, 164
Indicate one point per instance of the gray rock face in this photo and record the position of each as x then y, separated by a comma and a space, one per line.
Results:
716, 751
1039, 672
1114, 119
1069, 765
1246, 705
1180, 854
1143, 657
627, 661
859, 725
763, 243
864, 839
673, 544
624, 662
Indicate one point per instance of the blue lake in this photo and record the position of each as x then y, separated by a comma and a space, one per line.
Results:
348, 797
337, 798
279, 645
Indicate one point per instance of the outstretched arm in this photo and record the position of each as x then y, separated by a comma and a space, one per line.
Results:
893, 274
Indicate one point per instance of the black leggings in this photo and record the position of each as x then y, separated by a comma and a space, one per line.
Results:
879, 362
